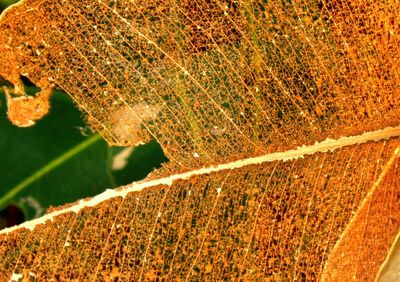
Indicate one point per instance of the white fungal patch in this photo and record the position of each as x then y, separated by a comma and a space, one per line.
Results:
127, 120
217, 131
15, 277
120, 160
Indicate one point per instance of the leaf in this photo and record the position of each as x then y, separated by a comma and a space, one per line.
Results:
236, 219
249, 76
241, 96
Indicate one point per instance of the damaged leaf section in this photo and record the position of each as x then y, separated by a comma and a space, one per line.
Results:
24, 110
272, 221
271, 75
19, 48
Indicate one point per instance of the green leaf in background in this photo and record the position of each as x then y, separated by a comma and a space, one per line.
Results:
5, 3
53, 163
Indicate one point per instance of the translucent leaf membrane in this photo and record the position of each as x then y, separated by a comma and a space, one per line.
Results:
212, 81
279, 220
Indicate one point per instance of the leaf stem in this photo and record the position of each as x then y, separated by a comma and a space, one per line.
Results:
47, 168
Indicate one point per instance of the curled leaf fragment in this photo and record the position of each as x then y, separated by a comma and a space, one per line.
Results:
24, 110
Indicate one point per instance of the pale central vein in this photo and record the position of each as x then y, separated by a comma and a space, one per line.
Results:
321, 147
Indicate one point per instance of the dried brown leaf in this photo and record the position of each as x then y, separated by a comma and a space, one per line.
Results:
225, 83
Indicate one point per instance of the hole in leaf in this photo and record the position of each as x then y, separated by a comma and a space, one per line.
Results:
143, 160
89, 166
30, 88
10, 216
6, 83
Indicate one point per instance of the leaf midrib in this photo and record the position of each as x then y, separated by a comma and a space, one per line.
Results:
319, 147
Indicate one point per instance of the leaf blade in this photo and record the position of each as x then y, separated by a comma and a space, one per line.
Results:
262, 216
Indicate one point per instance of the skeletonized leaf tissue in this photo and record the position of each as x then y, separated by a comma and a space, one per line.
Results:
279, 118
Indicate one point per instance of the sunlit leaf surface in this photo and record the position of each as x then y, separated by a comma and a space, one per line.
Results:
217, 83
